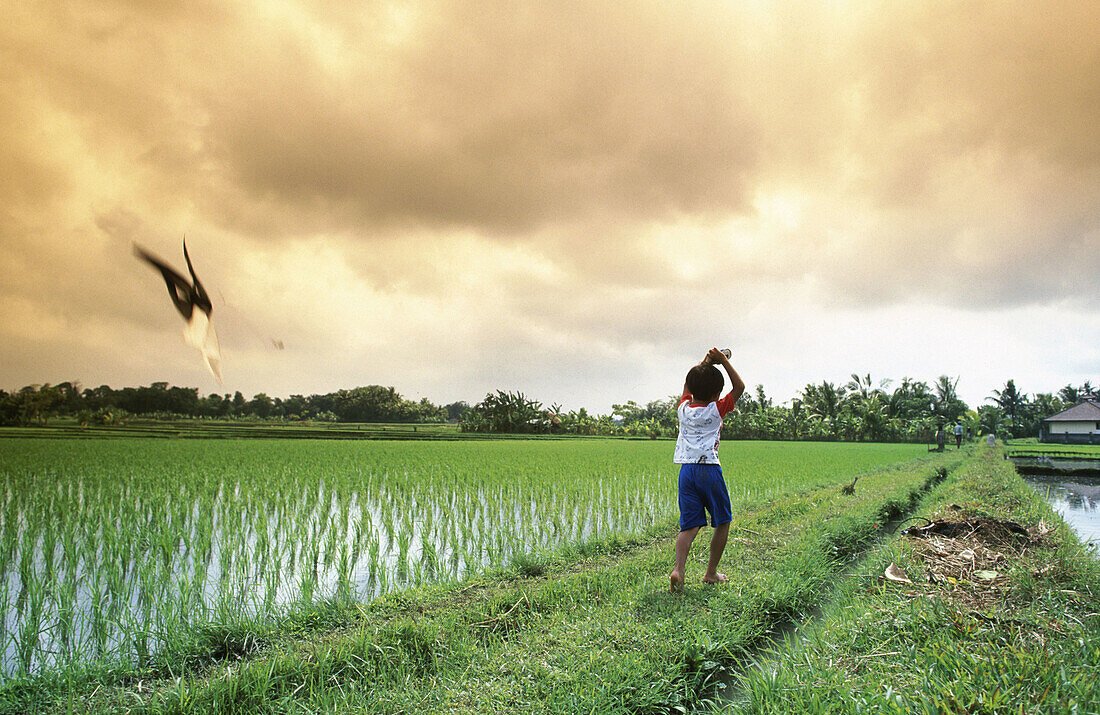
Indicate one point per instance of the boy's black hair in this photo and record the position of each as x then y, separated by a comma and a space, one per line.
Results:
704, 382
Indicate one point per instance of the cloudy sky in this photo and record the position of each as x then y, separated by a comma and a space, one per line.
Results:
572, 199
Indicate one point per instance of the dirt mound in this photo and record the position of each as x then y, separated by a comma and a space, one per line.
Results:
968, 559
983, 529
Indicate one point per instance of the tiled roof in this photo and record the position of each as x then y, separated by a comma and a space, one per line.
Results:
1082, 412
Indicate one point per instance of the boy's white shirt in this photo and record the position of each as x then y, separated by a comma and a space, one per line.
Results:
700, 432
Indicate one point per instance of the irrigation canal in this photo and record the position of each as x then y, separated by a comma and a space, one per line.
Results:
1072, 486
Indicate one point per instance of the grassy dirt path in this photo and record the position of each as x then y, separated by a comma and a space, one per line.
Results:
991, 620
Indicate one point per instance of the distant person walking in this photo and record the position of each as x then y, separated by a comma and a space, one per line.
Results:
702, 488
958, 435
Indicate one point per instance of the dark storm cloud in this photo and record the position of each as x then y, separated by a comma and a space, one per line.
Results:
503, 117
286, 118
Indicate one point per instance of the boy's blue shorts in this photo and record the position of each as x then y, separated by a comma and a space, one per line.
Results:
703, 488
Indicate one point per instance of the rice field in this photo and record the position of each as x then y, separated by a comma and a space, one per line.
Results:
1053, 449
110, 546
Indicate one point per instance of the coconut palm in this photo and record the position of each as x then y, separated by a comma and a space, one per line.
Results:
1013, 403
948, 406
862, 386
991, 420
912, 400
1070, 394
869, 413
823, 403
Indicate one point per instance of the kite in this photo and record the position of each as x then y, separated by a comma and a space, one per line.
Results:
193, 303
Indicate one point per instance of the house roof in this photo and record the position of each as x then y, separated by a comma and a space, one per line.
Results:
1081, 412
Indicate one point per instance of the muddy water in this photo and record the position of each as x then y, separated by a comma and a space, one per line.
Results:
1076, 498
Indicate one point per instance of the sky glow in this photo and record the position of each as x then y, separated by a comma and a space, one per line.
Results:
574, 200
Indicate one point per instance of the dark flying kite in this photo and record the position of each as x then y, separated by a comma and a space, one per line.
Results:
193, 303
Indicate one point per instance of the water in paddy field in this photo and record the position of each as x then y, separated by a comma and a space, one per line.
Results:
116, 596
111, 548
1076, 499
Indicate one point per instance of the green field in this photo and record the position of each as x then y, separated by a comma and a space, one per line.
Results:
562, 604
1032, 448
110, 548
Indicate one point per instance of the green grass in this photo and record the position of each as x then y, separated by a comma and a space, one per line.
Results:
587, 627
1029, 641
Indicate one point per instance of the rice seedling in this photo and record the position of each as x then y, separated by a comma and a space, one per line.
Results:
108, 552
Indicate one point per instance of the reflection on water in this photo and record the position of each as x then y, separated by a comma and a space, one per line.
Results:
1077, 499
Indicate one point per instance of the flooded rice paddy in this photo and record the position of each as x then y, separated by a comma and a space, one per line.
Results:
107, 547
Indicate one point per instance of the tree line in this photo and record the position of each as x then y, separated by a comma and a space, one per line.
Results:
859, 410
37, 404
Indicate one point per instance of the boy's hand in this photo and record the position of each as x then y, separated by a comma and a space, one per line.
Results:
715, 357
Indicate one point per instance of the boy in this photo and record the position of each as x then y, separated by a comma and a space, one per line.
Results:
702, 488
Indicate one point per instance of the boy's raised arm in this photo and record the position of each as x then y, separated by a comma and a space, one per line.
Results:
737, 385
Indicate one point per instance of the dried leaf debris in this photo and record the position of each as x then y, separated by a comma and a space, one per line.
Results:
968, 559
894, 573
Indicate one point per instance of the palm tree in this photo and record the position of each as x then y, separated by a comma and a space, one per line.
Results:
867, 405
870, 415
991, 419
1013, 403
1069, 394
948, 406
912, 400
861, 386
823, 403
1041, 406
796, 418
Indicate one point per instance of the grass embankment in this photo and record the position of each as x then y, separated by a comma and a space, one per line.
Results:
992, 622
587, 629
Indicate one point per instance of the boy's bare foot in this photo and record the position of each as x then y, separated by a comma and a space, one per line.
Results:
675, 582
718, 578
